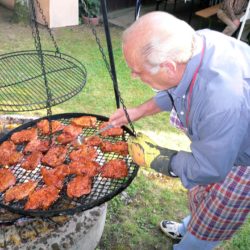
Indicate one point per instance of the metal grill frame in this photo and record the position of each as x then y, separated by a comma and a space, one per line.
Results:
20, 61
70, 211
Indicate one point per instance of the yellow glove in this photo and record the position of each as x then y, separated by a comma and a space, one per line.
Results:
146, 153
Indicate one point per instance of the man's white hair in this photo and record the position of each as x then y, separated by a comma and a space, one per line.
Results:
159, 37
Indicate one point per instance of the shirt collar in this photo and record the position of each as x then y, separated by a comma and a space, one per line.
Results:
183, 86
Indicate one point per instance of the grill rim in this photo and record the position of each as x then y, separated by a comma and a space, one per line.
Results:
80, 208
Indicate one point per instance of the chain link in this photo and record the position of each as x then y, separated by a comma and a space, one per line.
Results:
36, 35
107, 66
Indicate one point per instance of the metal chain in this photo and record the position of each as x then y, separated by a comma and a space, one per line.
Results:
36, 35
47, 26
108, 66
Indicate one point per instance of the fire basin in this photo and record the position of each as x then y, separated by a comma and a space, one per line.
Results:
80, 231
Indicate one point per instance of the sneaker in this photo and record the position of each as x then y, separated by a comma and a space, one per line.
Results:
170, 228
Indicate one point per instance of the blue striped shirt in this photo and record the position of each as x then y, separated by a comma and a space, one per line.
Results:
219, 118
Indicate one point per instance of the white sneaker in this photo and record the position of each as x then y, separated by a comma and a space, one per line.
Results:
170, 228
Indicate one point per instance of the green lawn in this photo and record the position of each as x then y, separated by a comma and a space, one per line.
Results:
133, 217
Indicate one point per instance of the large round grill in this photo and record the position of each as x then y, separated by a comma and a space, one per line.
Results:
22, 86
103, 189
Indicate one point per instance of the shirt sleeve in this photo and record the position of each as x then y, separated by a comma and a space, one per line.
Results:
163, 101
214, 153
228, 5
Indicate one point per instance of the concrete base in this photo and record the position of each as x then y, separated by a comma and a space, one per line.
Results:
82, 231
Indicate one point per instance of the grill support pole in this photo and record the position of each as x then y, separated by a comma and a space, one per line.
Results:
110, 51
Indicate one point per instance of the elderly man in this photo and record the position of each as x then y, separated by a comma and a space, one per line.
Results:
203, 78
230, 13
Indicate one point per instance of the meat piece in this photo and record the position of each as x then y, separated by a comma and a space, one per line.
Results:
65, 138
55, 156
55, 177
7, 179
111, 131
36, 145
42, 198
7, 146
69, 134
115, 169
117, 147
79, 186
32, 161
83, 154
8, 154
13, 159
84, 121
92, 140
72, 130
24, 136
20, 191
43, 125
90, 168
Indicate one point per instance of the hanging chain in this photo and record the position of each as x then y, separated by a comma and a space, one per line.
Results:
47, 26
36, 35
107, 66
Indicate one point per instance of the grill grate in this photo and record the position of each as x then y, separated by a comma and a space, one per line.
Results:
103, 189
22, 83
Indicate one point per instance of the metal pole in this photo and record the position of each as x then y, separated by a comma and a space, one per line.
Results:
137, 9
110, 51
243, 21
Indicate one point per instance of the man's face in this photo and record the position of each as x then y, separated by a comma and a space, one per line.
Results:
156, 77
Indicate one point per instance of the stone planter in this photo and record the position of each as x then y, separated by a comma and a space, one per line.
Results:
8, 3
91, 20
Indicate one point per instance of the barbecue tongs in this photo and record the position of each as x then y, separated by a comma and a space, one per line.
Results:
81, 138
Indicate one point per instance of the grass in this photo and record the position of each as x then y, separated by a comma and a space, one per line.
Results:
133, 216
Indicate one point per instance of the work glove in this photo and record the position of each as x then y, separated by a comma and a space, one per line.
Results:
146, 153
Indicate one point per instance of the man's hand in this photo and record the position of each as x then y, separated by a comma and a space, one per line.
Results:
146, 153
236, 22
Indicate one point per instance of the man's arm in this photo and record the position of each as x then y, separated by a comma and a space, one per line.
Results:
228, 5
148, 108
214, 153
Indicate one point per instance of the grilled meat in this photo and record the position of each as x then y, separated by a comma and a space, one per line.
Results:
65, 138
32, 161
43, 125
12, 159
79, 186
72, 130
24, 136
8, 154
7, 146
36, 145
55, 177
111, 131
93, 140
90, 168
84, 121
117, 147
69, 134
42, 198
83, 154
115, 169
55, 156
7, 179
20, 191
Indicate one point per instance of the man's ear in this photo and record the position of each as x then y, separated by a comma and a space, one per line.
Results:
170, 67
